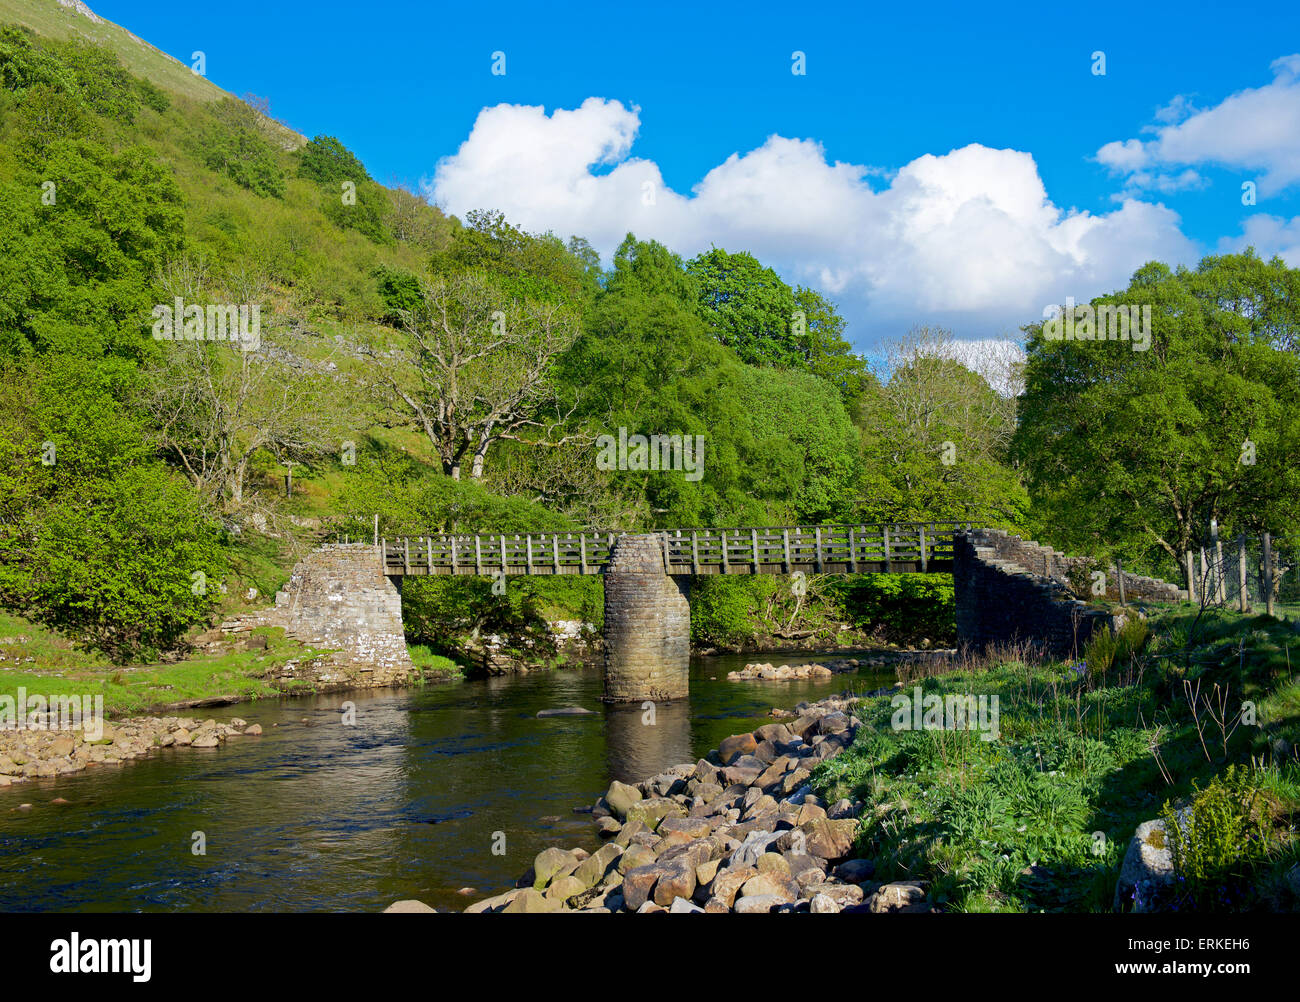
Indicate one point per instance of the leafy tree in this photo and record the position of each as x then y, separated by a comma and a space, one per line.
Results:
748, 307
822, 348
104, 84
24, 65
231, 142
934, 441
1138, 450
523, 265
328, 161
479, 370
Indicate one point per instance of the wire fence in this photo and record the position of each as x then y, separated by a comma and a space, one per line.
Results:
1254, 572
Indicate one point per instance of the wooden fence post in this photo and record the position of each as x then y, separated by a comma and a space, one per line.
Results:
1189, 560
753, 538
1220, 586
695, 552
1268, 574
1119, 580
1244, 597
785, 543
923, 555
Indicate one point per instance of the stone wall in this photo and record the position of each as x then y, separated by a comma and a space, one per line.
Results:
1003, 595
1048, 562
338, 597
647, 624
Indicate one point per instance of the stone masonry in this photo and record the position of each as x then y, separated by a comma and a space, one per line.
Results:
647, 624
339, 598
1009, 589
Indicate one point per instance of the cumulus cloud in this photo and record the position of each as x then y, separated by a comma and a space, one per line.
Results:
968, 238
1256, 129
1269, 235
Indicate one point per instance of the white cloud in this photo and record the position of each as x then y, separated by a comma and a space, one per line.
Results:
1257, 129
969, 238
1269, 235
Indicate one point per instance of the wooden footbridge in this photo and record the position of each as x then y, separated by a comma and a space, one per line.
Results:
881, 548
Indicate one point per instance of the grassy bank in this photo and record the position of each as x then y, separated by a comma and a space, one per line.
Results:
1040, 817
44, 663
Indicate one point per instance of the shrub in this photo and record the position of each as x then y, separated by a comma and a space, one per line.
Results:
1218, 840
901, 606
232, 143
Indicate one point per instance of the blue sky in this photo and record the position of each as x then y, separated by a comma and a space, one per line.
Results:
984, 167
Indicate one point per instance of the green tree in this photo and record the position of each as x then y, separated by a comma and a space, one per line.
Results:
748, 307
1135, 451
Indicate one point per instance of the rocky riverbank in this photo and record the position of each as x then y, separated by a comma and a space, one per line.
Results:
46, 754
738, 831
766, 671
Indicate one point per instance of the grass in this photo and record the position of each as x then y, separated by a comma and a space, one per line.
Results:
44, 663
434, 666
47, 17
1039, 819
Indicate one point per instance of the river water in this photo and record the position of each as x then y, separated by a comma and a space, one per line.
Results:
410, 802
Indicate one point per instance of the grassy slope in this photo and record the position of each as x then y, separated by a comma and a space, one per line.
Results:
49, 18
1010, 824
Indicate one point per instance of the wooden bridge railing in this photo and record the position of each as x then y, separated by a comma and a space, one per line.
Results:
822, 549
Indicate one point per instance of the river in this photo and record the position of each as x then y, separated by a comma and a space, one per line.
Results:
407, 803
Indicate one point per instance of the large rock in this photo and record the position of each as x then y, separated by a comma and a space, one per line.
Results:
770, 885
904, 895
651, 812
676, 881
552, 863
694, 827
620, 797
831, 840
529, 900
727, 884
408, 906
733, 747
592, 870
1147, 870
638, 884
759, 904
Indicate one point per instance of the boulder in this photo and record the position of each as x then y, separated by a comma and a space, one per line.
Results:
735, 746
766, 885
529, 900
855, 871
727, 884
408, 905
552, 863
831, 840
638, 884
759, 904
1147, 870
896, 897
620, 797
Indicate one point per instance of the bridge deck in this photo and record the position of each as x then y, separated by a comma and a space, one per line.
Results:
825, 549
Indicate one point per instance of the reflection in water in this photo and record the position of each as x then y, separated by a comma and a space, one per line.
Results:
641, 743
409, 803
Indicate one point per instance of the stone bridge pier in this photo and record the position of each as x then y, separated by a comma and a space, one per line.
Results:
647, 624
